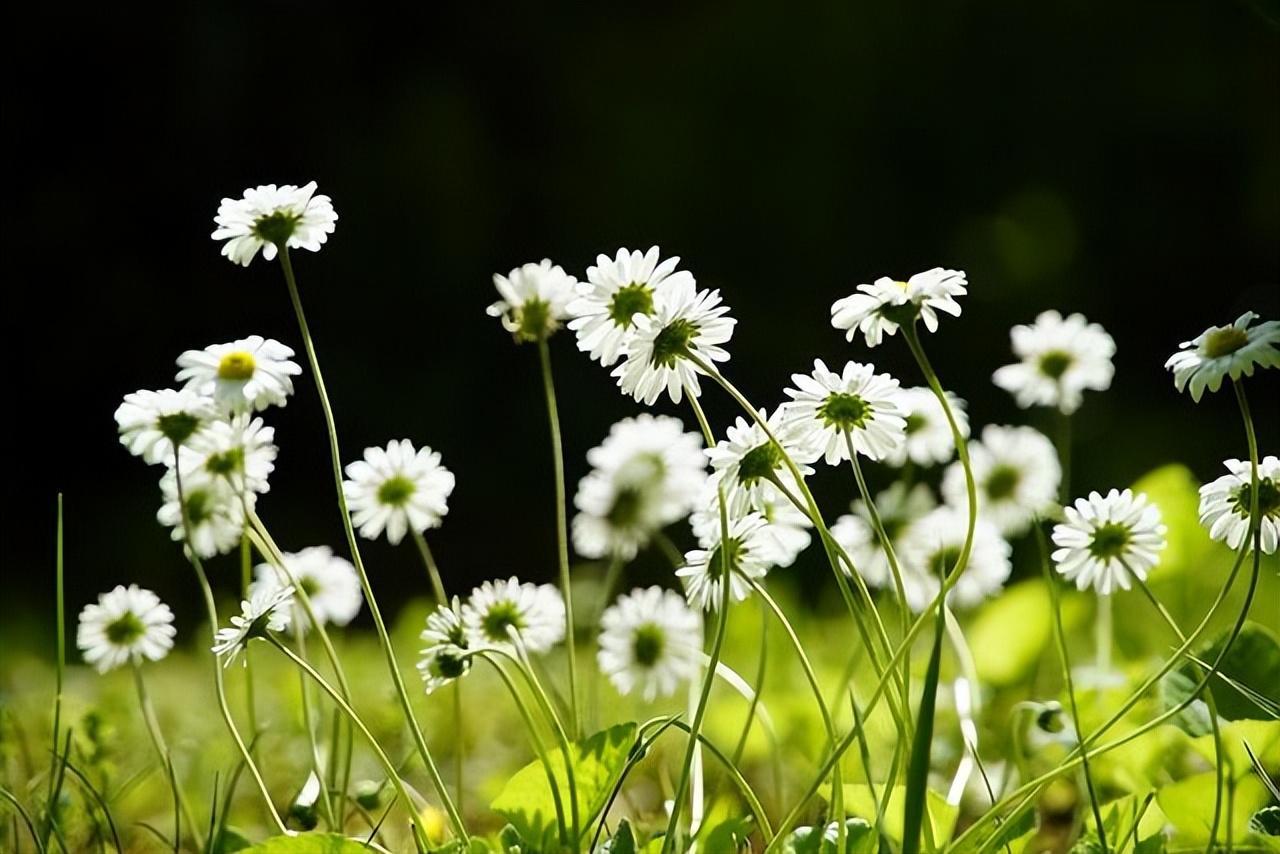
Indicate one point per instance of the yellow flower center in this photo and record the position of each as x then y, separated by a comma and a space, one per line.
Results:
236, 366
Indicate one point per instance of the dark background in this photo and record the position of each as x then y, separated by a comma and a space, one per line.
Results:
1119, 159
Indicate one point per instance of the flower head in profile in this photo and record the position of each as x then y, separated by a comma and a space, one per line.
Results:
744, 554
535, 299
878, 309
214, 509
1058, 360
1016, 472
784, 536
899, 506
747, 462
685, 323
856, 406
929, 440
1222, 351
330, 582
1107, 541
153, 422
617, 290
268, 217
650, 642
444, 658
125, 624
397, 489
241, 376
496, 610
931, 546
1226, 504
240, 449
268, 609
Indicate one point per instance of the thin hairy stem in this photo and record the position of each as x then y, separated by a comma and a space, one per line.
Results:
433, 571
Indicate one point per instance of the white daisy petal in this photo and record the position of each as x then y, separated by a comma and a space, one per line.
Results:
125, 624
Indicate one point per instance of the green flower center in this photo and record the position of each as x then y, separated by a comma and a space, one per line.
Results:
500, 617
672, 342
628, 301
1054, 363
759, 462
396, 490
915, 423
1109, 541
177, 427
625, 512
1268, 498
125, 629
451, 666
845, 411
1002, 482
236, 366
731, 548
534, 320
1224, 342
276, 227
943, 561
308, 585
647, 644
200, 506
227, 463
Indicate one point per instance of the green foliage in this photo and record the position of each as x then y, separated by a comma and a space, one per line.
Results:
623, 840
310, 843
860, 801
1010, 633
729, 835
1188, 804
1253, 661
860, 838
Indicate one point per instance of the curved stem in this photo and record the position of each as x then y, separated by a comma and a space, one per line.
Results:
433, 571
246, 578
326, 799
525, 666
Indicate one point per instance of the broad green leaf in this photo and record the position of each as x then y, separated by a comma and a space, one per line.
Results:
310, 843
859, 801
728, 836
229, 841
1188, 804
1010, 633
1262, 736
859, 838
1176, 491
913, 810
623, 841
1253, 661
1175, 689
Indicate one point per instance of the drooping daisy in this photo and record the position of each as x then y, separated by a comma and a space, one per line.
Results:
268, 609
214, 509
781, 541
397, 489
651, 642
685, 321
857, 403
881, 307
617, 290
268, 217
928, 434
330, 582
241, 376
1222, 351
444, 658
127, 623
535, 612
1060, 359
899, 506
703, 573
1106, 540
1225, 504
1016, 472
152, 422
535, 299
932, 545
747, 461
240, 449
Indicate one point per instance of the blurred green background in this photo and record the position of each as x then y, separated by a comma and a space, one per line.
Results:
1119, 159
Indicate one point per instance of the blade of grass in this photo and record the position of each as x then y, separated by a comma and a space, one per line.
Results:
1261, 771
918, 767
60, 665
101, 801
26, 817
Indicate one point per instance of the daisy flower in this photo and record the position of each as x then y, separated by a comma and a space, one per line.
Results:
878, 309
616, 291
214, 509
930, 548
397, 489
857, 402
444, 658
703, 573
1017, 473
267, 609
126, 624
928, 434
240, 449
268, 217
1225, 503
330, 582
685, 322
1107, 539
535, 299
898, 506
650, 642
781, 541
496, 608
241, 376
746, 461
152, 422
1222, 351
1060, 359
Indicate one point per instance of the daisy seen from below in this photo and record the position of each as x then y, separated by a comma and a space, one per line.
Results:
878, 309
927, 434
747, 554
241, 376
617, 290
397, 489
1017, 473
151, 423
1060, 358
535, 300
783, 538
268, 609
444, 658
330, 582
1222, 351
268, 217
855, 406
1225, 504
685, 322
899, 506
932, 545
215, 511
650, 642
240, 449
496, 609
125, 624
1108, 540
747, 462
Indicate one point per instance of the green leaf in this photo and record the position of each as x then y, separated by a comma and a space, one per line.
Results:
859, 837
1175, 689
921, 745
1188, 804
1266, 822
623, 841
1262, 736
309, 843
228, 842
1010, 633
509, 839
860, 801
1176, 491
1253, 661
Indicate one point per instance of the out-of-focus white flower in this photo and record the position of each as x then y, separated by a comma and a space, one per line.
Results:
651, 642
899, 506
127, 623
928, 434
747, 555
1059, 359
495, 609
330, 582
930, 549
1016, 472
241, 449
214, 509
152, 422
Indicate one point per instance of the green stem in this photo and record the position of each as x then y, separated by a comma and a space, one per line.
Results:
251, 708
60, 664
162, 749
525, 666
317, 762
433, 571
1103, 636
26, 818
1064, 456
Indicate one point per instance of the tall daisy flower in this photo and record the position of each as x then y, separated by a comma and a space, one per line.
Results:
151, 423
444, 658
535, 299
1059, 358
127, 623
268, 609
1225, 504
1017, 473
928, 440
703, 573
782, 539
1222, 351
617, 290
214, 509
268, 217
747, 461
240, 449
1107, 539
898, 506
495, 609
932, 545
858, 403
241, 376
330, 582
396, 489
685, 322
878, 309
650, 642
